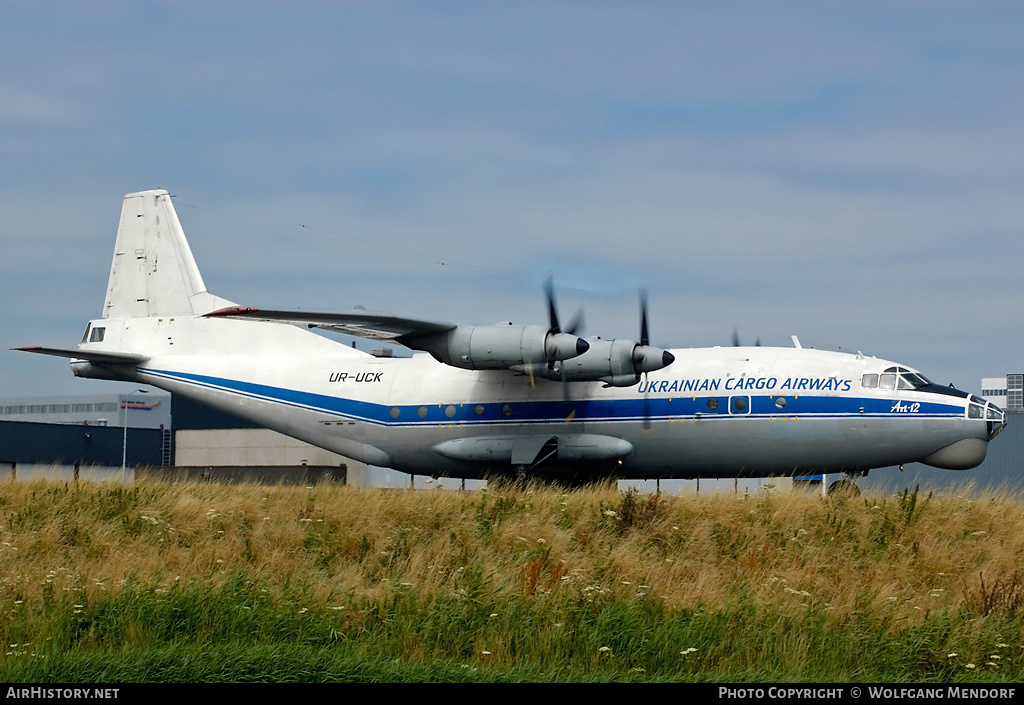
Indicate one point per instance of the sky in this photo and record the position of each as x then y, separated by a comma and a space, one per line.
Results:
850, 173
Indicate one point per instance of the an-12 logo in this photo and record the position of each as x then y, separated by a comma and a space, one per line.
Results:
901, 408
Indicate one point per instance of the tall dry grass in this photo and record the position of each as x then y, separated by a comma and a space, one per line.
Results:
896, 558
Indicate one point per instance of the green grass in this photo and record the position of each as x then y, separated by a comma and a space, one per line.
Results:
246, 632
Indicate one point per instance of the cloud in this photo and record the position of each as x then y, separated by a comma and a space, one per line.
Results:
847, 173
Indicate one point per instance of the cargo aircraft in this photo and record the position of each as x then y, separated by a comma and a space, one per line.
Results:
511, 400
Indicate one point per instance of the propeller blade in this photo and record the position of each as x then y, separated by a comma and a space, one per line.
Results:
736, 339
549, 291
645, 358
576, 327
640, 355
559, 344
567, 398
647, 407
644, 337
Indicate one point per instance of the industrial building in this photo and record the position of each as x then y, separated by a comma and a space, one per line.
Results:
1006, 392
124, 436
140, 409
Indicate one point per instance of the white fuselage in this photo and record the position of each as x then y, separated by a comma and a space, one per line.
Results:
714, 412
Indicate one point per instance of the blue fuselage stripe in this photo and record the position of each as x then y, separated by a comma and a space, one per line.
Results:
590, 410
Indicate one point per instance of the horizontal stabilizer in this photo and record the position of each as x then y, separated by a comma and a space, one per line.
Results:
111, 358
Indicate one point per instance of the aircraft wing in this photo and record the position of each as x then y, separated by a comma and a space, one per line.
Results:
111, 358
362, 324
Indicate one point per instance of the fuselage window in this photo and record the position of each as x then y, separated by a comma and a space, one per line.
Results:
869, 381
421, 412
712, 404
96, 336
478, 409
395, 411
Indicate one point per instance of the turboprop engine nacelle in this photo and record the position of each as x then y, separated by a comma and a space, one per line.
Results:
617, 363
501, 346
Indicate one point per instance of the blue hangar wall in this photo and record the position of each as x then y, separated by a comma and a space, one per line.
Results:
41, 443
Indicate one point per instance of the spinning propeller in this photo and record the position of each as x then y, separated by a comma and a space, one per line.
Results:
736, 339
647, 359
574, 329
555, 333
619, 362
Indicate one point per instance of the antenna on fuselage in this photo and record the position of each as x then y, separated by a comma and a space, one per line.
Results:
796, 342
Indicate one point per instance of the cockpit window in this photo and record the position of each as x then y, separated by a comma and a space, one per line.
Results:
97, 335
895, 378
913, 379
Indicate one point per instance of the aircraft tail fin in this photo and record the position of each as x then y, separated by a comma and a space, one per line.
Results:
153, 272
